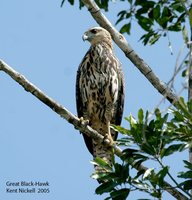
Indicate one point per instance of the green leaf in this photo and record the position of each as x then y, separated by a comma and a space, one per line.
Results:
129, 151
154, 39
122, 172
140, 185
166, 12
173, 148
156, 12
131, 120
149, 149
161, 174
143, 199
146, 3
146, 37
126, 141
190, 16
145, 23
137, 163
81, 5
142, 10
185, 175
105, 176
121, 16
140, 116
184, 73
106, 187
178, 6
158, 113
71, 2
102, 4
181, 18
120, 129
187, 185
176, 27
165, 17
126, 28
102, 163
178, 117
188, 164
183, 114
121, 194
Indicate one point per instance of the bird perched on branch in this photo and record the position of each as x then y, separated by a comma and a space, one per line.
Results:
100, 91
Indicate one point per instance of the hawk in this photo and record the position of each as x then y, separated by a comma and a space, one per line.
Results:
100, 91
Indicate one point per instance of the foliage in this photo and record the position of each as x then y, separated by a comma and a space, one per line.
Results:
156, 18
149, 141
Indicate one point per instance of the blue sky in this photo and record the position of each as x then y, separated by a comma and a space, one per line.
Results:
44, 43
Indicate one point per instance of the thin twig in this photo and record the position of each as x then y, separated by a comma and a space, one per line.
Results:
171, 177
178, 67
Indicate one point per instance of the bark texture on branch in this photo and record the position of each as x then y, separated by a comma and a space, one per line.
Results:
75, 121
130, 53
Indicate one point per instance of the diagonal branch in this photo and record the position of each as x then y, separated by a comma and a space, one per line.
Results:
59, 109
130, 53
75, 121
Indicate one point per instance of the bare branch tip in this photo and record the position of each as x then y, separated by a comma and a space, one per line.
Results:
1, 63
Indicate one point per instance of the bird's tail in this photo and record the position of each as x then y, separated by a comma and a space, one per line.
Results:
100, 149
104, 152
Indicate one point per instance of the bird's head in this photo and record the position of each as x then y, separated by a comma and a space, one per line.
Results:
97, 35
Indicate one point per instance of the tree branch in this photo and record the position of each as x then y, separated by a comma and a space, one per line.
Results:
130, 53
75, 121
59, 109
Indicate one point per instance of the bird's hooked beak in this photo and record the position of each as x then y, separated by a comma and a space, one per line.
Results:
85, 36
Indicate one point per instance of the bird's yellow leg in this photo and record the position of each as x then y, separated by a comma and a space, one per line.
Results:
107, 136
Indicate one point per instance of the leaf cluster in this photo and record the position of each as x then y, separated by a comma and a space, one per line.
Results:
149, 141
156, 18
103, 4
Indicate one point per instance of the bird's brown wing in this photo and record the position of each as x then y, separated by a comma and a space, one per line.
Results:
118, 111
79, 104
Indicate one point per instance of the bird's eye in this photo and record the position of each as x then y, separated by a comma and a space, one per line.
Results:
94, 31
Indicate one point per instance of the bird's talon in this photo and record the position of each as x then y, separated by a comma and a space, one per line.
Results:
83, 121
108, 139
